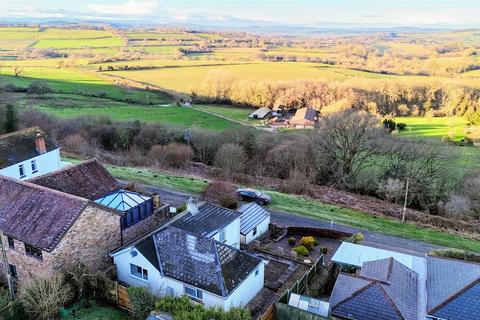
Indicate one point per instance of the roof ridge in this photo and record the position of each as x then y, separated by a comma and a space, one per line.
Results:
365, 287
42, 188
218, 272
455, 295
63, 169
16, 132
390, 299
454, 259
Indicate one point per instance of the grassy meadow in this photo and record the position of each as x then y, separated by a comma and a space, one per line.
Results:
433, 128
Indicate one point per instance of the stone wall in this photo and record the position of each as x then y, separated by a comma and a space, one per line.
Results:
159, 217
89, 241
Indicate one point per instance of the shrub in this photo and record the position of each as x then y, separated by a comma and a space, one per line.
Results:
324, 250
355, 238
389, 125
308, 242
222, 193
42, 298
456, 254
292, 241
401, 126
231, 158
39, 88
173, 155
457, 207
301, 250
142, 301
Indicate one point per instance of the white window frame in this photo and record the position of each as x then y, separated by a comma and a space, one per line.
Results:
33, 165
221, 236
21, 171
198, 294
136, 276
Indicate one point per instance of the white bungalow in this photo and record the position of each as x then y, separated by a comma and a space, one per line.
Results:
254, 222
28, 153
175, 262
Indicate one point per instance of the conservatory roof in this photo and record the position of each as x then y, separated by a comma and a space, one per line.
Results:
122, 200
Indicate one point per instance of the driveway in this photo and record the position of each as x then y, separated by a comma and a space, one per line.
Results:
373, 239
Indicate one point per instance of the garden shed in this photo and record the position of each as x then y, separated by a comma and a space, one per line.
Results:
253, 222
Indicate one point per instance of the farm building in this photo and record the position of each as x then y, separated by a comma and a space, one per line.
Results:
253, 222
175, 262
304, 118
28, 153
261, 113
211, 221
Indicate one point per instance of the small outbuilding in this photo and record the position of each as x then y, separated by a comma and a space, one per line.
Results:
309, 304
260, 114
254, 222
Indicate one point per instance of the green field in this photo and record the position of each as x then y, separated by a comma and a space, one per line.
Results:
183, 80
238, 114
434, 128
78, 43
173, 115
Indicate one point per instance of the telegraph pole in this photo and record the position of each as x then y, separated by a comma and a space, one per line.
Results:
405, 201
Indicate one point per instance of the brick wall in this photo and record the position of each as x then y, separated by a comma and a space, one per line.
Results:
159, 217
89, 241
92, 237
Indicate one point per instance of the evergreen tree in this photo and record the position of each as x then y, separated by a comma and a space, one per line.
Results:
11, 123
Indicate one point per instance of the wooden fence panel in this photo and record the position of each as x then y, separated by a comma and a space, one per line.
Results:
123, 299
269, 314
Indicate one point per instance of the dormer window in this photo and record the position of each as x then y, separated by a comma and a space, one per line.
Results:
34, 166
21, 171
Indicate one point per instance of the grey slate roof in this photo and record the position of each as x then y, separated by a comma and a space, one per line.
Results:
37, 215
208, 221
386, 289
88, 179
252, 215
449, 280
260, 113
197, 260
19, 146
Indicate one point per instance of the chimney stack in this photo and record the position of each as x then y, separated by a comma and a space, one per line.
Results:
192, 206
40, 143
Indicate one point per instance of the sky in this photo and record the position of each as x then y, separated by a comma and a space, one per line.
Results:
297, 12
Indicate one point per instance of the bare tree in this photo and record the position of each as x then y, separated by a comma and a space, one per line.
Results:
17, 71
345, 144
232, 158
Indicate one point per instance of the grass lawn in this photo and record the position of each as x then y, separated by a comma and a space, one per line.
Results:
435, 128
78, 43
239, 114
99, 312
305, 207
177, 116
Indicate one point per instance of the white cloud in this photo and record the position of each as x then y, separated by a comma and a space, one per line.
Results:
132, 7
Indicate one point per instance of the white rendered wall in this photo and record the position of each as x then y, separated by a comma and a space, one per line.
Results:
46, 163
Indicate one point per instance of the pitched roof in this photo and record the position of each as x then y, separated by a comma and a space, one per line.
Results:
447, 280
208, 221
88, 179
252, 215
122, 200
304, 114
37, 215
19, 146
260, 113
386, 289
198, 261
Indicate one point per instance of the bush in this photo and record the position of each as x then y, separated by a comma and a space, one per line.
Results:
292, 241
173, 155
401, 126
301, 250
324, 250
142, 301
355, 238
456, 254
308, 242
39, 88
42, 298
231, 158
457, 207
222, 193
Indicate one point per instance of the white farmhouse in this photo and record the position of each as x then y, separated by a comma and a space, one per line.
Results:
211, 221
254, 222
175, 262
28, 153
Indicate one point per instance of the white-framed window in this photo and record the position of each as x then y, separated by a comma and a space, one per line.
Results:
254, 231
194, 293
34, 166
21, 171
221, 235
138, 272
